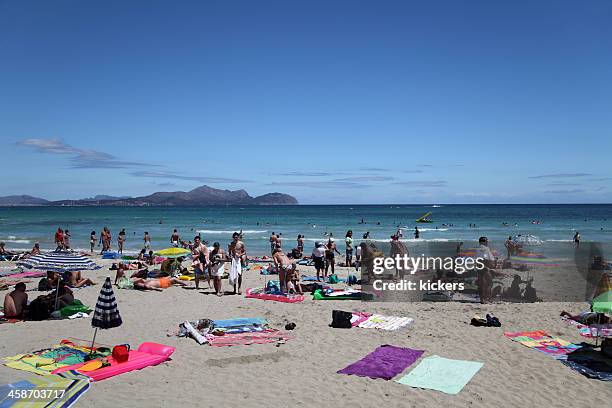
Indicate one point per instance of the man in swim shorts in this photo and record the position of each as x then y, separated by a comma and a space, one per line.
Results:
199, 256
237, 251
175, 239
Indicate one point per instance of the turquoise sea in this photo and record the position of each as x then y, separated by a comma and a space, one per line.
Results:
20, 227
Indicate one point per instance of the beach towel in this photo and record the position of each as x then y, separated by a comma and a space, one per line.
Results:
44, 361
31, 274
59, 391
359, 317
590, 363
441, 374
267, 336
235, 270
542, 341
377, 321
592, 331
385, 362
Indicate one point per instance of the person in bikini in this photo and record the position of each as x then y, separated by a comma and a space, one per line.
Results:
330, 255
76, 281
218, 257
285, 268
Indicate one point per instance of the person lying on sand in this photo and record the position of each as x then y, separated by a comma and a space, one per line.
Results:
16, 302
75, 280
157, 284
588, 317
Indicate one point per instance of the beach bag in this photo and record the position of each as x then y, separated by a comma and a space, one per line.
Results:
341, 319
333, 278
121, 353
38, 310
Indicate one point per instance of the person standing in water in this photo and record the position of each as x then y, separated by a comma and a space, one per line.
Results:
147, 241
577, 239
417, 233
66, 240
121, 240
348, 240
92, 241
59, 239
175, 239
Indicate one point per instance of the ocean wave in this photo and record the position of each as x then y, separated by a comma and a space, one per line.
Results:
14, 240
231, 232
558, 240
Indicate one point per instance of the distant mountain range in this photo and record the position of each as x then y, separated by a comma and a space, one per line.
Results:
203, 195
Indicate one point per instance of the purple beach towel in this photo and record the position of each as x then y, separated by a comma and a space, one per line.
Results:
384, 362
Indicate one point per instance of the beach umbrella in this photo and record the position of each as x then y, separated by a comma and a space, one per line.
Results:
61, 262
106, 315
58, 262
173, 252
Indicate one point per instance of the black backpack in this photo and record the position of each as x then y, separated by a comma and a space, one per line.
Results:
38, 310
341, 319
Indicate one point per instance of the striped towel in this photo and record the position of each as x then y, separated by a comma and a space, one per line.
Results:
67, 388
377, 321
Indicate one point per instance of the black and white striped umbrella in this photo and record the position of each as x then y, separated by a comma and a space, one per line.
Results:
59, 262
106, 315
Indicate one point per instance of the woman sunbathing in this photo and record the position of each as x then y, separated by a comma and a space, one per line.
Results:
588, 318
76, 281
157, 284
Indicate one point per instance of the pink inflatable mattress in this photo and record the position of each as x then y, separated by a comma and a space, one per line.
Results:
148, 354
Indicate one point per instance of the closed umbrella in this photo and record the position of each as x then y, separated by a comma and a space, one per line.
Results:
106, 314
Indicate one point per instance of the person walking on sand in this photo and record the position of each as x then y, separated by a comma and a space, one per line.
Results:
175, 239
318, 257
218, 257
485, 276
348, 240
331, 250
121, 240
237, 253
199, 256
397, 248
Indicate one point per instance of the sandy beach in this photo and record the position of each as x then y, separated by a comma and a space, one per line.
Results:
302, 372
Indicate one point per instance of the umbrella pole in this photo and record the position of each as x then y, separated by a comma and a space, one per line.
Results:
56, 296
93, 341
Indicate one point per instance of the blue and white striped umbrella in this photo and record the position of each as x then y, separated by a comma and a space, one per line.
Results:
58, 262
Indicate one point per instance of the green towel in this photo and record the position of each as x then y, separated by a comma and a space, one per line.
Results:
441, 374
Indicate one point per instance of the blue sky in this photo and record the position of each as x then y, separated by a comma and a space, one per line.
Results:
333, 102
